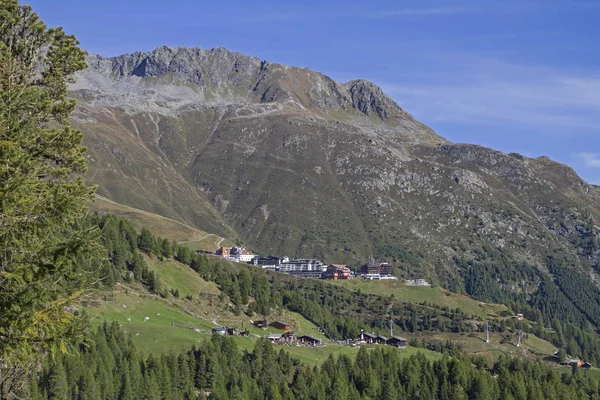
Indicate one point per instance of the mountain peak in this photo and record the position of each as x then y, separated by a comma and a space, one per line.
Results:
370, 98
176, 77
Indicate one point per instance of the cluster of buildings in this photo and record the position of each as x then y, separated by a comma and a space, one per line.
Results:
311, 268
287, 337
370, 338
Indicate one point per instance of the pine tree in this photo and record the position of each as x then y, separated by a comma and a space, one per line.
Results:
151, 391
146, 241
58, 388
42, 191
166, 248
88, 388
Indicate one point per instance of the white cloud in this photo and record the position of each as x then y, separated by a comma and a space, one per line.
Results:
590, 160
488, 91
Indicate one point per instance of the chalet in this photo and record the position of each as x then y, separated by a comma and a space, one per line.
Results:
518, 316
376, 268
274, 337
381, 340
574, 362
260, 323
281, 325
282, 338
397, 341
241, 254
587, 365
288, 337
245, 333
310, 340
220, 330
368, 338
338, 272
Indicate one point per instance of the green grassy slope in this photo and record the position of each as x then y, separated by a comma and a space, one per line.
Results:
175, 275
155, 335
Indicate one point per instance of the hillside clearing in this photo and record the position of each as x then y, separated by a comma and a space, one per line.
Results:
420, 294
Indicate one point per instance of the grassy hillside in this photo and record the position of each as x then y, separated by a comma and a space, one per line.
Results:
420, 294
162, 226
156, 335
129, 307
181, 277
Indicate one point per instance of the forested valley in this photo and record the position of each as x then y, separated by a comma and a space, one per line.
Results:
108, 367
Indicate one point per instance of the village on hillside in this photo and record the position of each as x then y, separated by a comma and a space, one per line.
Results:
312, 268
288, 337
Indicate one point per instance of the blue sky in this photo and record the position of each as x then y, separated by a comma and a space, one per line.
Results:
520, 76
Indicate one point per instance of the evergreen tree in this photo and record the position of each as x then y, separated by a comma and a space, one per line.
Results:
43, 194
146, 241
57, 382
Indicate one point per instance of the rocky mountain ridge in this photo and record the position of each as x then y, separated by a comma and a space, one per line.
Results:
221, 77
291, 162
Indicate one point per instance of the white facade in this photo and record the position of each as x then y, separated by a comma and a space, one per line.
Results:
417, 282
246, 257
372, 277
304, 264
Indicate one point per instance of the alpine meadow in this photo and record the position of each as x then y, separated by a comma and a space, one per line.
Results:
190, 223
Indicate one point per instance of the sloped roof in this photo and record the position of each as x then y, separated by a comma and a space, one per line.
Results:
310, 338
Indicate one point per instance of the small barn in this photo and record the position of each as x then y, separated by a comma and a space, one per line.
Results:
381, 340
260, 323
309, 340
281, 325
397, 341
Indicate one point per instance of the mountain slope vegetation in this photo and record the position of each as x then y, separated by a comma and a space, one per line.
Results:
290, 162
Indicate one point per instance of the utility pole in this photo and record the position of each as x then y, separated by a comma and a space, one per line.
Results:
487, 332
